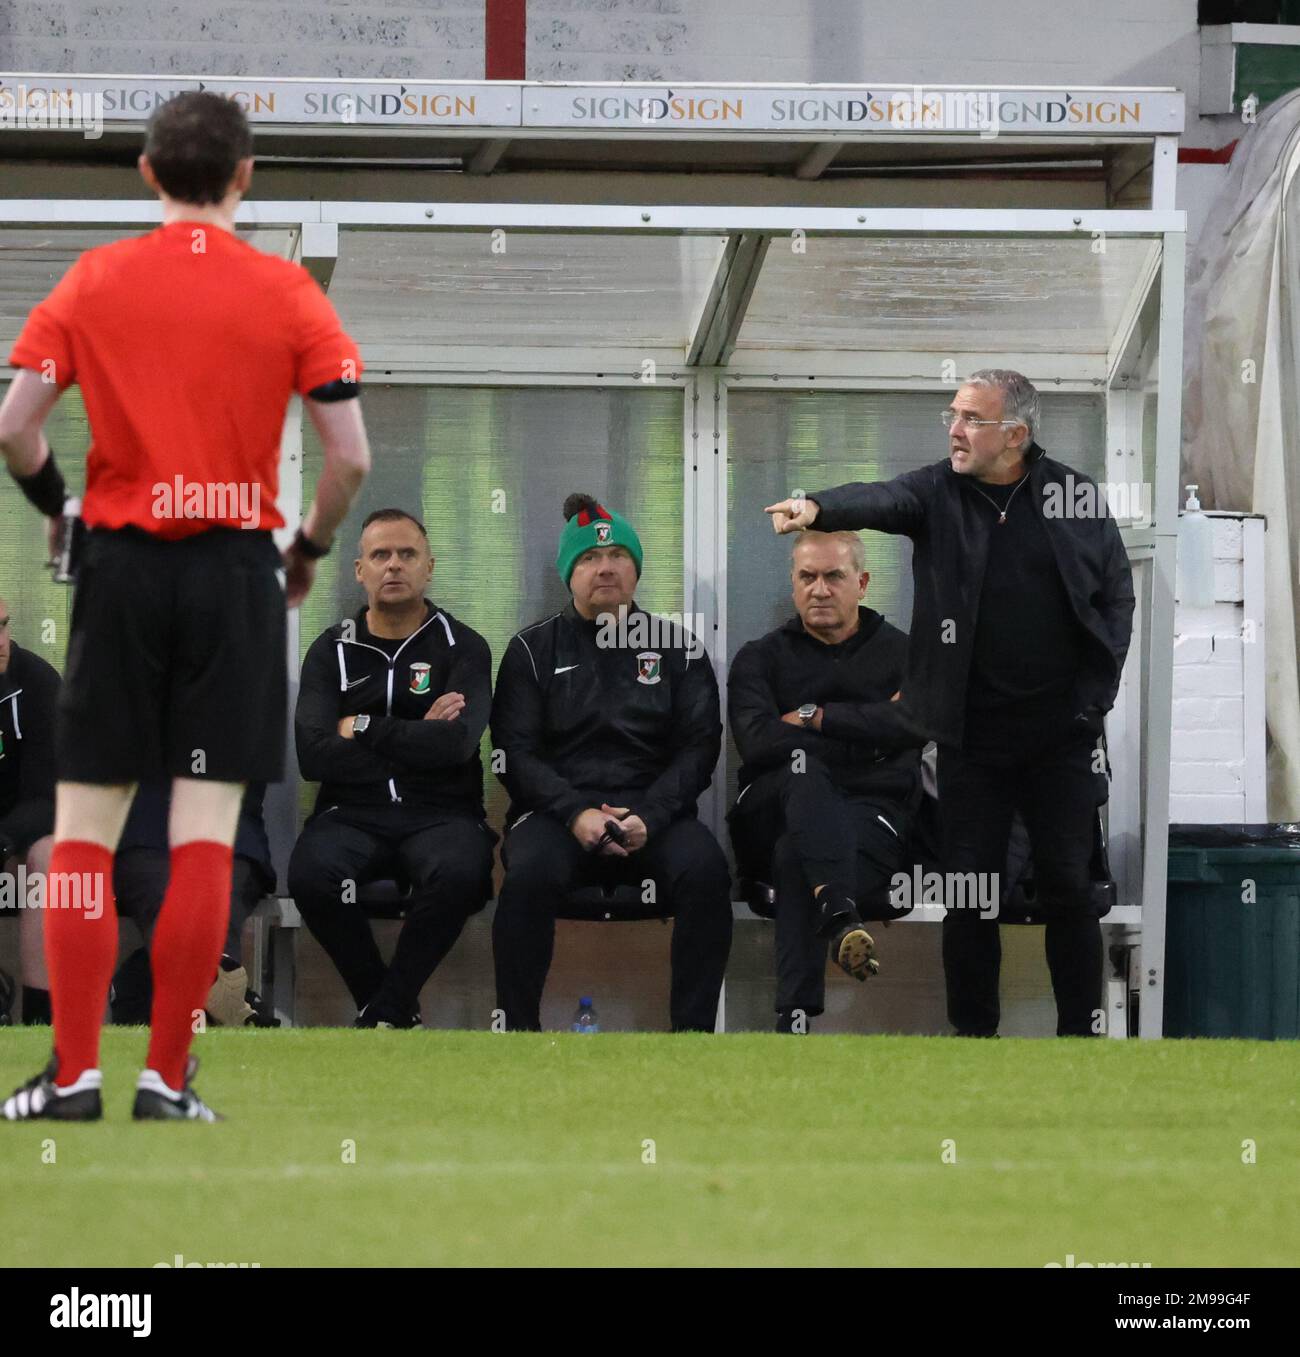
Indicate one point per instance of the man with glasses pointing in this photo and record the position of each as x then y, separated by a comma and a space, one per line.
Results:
1021, 621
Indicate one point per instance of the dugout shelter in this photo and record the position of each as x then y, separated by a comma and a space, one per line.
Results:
691, 300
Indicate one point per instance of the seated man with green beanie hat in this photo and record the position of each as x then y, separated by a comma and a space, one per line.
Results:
599, 726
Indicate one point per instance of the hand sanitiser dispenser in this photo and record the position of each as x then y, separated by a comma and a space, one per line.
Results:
1195, 554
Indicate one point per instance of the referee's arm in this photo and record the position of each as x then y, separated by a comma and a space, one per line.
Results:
342, 434
46, 366
27, 405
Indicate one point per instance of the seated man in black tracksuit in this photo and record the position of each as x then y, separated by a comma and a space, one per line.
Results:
29, 688
391, 708
831, 774
604, 714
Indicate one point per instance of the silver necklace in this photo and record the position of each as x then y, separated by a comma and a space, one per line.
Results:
1002, 513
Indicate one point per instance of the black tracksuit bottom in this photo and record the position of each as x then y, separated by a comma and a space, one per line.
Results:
544, 862
1056, 795
140, 877
805, 832
445, 856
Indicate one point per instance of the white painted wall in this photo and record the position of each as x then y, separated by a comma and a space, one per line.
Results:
994, 42
433, 39
988, 42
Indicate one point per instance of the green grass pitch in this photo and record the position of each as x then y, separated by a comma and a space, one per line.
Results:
482, 1149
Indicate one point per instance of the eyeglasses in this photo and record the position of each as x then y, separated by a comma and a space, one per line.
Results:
950, 417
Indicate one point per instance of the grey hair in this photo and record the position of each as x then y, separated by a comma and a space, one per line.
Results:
1019, 396
857, 547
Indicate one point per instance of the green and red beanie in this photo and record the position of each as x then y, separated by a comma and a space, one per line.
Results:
589, 524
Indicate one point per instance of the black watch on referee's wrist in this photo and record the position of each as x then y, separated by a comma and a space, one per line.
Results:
304, 546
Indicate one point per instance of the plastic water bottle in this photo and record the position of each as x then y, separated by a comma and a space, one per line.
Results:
584, 1020
1195, 554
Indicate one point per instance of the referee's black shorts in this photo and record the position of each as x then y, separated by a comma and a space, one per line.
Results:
176, 660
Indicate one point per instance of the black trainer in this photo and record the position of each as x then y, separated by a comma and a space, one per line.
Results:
154, 1101
374, 1016
40, 1098
837, 910
854, 951
263, 1013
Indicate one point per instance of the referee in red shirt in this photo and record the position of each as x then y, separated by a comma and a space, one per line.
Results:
187, 344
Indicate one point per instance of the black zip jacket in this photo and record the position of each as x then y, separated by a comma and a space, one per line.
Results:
29, 690
580, 724
864, 742
949, 525
400, 756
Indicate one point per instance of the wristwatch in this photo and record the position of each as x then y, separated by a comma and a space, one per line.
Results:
359, 723
807, 712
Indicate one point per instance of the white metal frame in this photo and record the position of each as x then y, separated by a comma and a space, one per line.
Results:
1152, 333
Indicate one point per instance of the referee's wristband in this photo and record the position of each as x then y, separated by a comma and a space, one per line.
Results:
44, 488
304, 546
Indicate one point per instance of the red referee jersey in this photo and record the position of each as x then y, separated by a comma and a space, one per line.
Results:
187, 344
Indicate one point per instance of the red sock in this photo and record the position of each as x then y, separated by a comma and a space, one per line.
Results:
80, 951
186, 948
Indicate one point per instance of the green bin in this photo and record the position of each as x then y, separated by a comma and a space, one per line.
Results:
1232, 963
